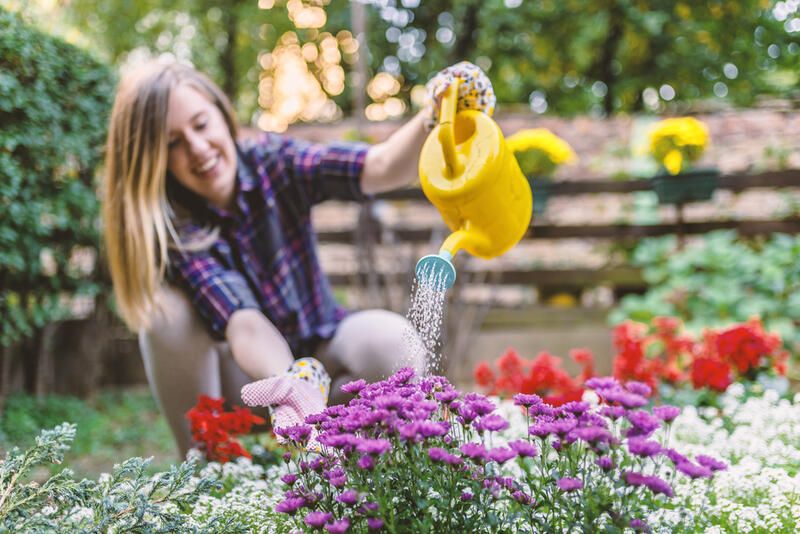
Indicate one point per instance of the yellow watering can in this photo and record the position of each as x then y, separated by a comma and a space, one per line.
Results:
475, 182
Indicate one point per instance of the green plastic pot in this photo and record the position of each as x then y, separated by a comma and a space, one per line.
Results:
694, 185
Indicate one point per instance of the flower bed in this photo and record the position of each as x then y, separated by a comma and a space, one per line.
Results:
420, 457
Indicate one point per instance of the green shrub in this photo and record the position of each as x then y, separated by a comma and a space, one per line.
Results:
718, 281
54, 105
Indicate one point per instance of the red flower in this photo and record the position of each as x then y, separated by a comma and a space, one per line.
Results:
213, 428
711, 373
484, 375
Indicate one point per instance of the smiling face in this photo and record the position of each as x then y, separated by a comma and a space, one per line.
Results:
202, 153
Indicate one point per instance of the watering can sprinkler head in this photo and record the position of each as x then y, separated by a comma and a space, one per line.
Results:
437, 270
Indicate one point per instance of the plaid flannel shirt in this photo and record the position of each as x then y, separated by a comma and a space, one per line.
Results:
266, 254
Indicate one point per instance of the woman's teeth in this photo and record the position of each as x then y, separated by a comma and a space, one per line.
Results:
208, 165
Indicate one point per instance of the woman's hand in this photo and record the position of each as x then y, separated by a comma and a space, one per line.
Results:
474, 92
394, 163
301, 391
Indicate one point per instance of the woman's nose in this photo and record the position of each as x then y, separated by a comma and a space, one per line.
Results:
196, 143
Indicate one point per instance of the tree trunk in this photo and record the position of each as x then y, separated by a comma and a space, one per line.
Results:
605, 63
227, 58
465, 42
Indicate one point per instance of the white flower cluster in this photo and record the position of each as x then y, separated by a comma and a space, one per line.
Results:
759, 437
249, 496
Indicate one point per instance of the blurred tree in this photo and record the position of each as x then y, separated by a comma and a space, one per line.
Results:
567, 56
574, 56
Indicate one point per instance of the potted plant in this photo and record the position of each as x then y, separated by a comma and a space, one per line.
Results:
676, 144
539, 152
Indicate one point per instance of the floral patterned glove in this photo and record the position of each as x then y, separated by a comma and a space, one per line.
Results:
474, 92
301, 391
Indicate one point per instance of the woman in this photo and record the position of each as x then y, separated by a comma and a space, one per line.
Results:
213, 257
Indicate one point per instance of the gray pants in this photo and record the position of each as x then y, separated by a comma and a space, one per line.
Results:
182, 361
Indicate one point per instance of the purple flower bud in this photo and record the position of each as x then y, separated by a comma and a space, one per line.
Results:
569, 484
666, 412
643, 423
317, 519
466, 496
521, 497
639, 525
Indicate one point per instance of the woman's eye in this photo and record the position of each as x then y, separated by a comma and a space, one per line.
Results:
201, 125
172, 143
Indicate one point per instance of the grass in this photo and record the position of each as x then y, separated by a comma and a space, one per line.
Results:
113, 425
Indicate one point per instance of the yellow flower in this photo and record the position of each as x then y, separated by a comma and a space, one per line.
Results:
539, 151
677, 141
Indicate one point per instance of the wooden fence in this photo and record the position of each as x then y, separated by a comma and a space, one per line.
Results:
78, 356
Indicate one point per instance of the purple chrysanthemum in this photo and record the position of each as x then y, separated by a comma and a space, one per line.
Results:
638, 388
374, 523
601, 382
712, 463
576, 407
674, 456
639, 525
569, 484
693, 470
605, 463
290, 505
339, 526
492, 423
666, 412
501, 454
476, 451
643, 423
613, 412
289, 479
348, 497
643, 447
524, 448
366, 462
354, 387
592, 434
522, 399
317, 519
373, 446
625, 398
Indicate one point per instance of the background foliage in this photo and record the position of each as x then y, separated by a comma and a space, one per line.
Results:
54, 111
568, 57
718, 281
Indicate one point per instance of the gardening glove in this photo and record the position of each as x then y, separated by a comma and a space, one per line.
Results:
292, 396
474, 92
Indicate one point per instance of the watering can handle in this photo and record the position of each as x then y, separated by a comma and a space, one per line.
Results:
447, 120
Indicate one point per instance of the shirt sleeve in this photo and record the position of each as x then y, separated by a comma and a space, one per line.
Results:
319, 171
215, 291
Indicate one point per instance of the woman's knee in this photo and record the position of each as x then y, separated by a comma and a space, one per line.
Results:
373, 344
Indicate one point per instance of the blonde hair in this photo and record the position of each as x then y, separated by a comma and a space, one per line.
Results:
138, 219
